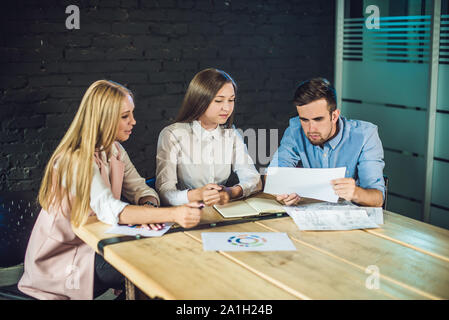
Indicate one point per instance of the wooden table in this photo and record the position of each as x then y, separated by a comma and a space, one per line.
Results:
411, 257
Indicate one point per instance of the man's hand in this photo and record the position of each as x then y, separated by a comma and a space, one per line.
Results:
345, 188
288, 199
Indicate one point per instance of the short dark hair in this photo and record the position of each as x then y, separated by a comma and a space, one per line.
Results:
315, 89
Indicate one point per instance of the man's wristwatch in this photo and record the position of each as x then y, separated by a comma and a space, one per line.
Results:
150, 203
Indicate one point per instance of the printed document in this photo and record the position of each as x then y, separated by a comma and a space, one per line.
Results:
247, 241
306, 182
138, 230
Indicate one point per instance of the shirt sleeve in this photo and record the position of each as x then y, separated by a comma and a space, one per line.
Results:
371, 164
134, 186
286, 155
102, 201
166, 170
243, 166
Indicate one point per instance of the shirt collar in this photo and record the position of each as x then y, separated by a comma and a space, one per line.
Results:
203, 134
335, 140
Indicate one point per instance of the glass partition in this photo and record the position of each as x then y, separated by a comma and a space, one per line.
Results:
387, 50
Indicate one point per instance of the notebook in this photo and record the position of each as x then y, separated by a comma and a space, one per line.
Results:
249, 207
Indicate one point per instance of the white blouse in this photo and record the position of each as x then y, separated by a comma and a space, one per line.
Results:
102, 201
189, 157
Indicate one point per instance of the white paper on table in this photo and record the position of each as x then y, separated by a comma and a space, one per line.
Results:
133, 231
330, 219
247, 241
376, 214
306, 182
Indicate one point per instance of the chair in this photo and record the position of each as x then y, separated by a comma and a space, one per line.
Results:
151, 182
18, 213
384, 206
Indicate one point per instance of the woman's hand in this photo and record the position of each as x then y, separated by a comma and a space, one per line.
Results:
209, 194
188, 215
225, 195
152, 226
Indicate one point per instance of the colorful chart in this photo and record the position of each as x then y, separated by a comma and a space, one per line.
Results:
247, 240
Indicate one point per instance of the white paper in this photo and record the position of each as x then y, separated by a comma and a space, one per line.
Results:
330, 219
306, 182
246, 241
133, 231
376, 214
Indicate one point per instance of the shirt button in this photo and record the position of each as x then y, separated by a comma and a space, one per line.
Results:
325, 154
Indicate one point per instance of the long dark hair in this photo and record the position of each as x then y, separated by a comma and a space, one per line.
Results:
201, 91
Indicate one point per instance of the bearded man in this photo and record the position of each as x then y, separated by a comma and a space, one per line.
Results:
320, 138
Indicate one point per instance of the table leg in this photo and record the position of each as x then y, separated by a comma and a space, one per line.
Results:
130, 290
134, 293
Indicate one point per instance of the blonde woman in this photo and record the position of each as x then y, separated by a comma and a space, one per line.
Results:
196, 154
86, 175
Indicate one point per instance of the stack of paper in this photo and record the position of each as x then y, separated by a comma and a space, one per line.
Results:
330, 219
375, 214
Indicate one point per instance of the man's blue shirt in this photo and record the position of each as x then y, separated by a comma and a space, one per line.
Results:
357, 147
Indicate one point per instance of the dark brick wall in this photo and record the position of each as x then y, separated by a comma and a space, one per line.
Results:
154, 48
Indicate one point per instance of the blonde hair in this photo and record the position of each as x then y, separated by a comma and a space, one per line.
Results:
70, 169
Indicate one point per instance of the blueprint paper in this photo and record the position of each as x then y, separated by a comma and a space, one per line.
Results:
376, 214
330, 219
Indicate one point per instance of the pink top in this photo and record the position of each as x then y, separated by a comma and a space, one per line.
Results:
58, 264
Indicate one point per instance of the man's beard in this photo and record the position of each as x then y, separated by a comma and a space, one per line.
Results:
316, 142
322, 140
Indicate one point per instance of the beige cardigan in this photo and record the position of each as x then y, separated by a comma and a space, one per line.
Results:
59, 265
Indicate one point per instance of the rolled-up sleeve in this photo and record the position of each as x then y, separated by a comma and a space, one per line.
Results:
102, 201
134, 186
243, 166
166, 170
371, 164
